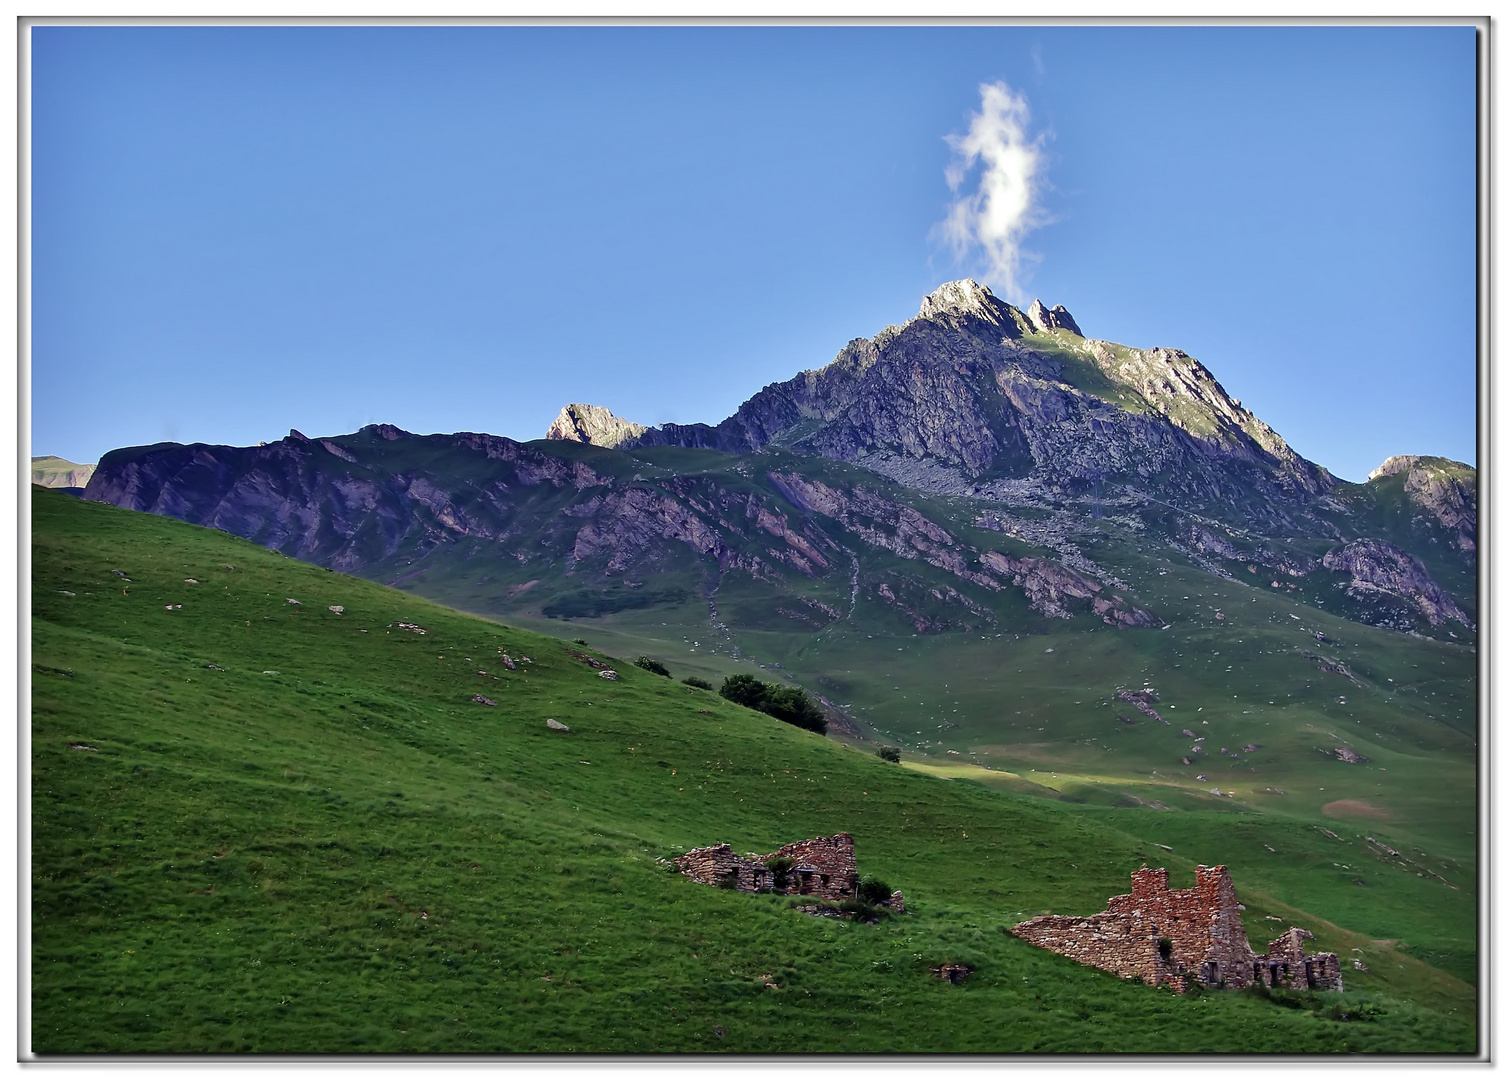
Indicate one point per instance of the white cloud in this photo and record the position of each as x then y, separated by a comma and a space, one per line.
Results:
1004, 207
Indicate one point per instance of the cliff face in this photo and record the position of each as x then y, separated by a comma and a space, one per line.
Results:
996, 402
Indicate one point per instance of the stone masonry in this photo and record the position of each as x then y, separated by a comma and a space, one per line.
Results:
1177, 936
823, 867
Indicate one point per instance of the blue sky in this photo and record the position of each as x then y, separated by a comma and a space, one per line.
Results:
241, 230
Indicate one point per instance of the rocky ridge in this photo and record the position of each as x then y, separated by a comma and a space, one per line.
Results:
360, 503
976, 396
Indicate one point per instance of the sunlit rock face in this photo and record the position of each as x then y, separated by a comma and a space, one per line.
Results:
975, 396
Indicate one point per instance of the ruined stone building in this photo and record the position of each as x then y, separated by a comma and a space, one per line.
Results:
1177, 936
823, 867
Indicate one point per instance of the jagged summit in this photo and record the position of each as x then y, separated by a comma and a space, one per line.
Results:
974, 396
1055, 318
968, 298
964, 297
594, 424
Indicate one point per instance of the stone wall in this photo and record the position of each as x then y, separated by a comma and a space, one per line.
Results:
1175, 936
1289, 965
822, 867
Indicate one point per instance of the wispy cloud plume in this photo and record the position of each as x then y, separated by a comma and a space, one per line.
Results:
1004, 207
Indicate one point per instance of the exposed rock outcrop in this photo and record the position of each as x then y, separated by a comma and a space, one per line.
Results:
1048, 584
596, 425
1047, 319
1444, 489
1377, 567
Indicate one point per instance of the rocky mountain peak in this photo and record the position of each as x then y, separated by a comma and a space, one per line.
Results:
594, 424
386, 431
965, 297
1396, 464
1045, 319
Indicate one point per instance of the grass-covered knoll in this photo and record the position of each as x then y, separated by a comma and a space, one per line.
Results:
259, 825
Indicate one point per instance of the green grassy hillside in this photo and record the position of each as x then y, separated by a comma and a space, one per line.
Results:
267, 826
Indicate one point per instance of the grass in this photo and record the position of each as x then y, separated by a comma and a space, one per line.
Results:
264, 826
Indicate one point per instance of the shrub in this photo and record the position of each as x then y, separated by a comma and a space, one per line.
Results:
873, 890
579, 641
889, 753
744, 690
697, 683
655, 666
790, 704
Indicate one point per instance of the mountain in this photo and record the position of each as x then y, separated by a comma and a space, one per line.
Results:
987, 452
915, 613
56, 472
1112, 592
974, 396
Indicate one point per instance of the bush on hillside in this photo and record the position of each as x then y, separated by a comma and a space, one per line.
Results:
652, 665
744, 690
889, 753
697, 683
790, 704
873, 890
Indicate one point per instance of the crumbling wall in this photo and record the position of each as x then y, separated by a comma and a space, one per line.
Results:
1289, 965
1121, 944
823, 867
721, 867
1163, 935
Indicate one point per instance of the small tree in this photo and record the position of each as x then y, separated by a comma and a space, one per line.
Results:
655, 666
889, 753
697, 683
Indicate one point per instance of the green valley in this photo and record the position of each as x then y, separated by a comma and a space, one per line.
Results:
276, 808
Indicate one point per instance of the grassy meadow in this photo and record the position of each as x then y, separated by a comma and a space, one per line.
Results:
266, 826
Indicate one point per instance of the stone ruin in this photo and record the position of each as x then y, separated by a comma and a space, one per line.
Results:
823, 868
1182, 936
